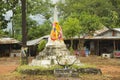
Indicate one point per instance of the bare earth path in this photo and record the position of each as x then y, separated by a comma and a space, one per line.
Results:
7, 69
110, 69
8, 65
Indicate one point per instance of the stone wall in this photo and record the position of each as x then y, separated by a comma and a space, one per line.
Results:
62, 72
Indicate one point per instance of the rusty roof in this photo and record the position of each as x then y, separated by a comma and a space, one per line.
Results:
36, 41
8, 41
97, 32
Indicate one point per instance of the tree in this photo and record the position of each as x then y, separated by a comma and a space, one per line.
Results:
6, 5
90, 23
105, 10
42, 7
111, 21
38, 31
33, 8
71, 28
83, 25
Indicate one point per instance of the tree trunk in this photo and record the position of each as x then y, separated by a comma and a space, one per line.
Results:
81, 46
79, 43
24, 29
24, 53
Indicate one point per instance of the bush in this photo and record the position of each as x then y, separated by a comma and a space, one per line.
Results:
41, 45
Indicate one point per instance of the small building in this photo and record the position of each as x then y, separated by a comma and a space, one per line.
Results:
9, 47
105, 41
32, 45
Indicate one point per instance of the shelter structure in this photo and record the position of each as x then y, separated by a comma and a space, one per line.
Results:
105, 41
32, 45
9, 47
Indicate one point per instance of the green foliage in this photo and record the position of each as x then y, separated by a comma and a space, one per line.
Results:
39, 31
18, 37
34, 30
40, 7
77, 23
41, 45
89, 15
107, 11
6, 5
71, 27
37, 70
49, 70
3, 33
112, 20
90, 23
82, 66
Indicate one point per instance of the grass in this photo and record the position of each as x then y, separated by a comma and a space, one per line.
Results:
83, 66
23, 67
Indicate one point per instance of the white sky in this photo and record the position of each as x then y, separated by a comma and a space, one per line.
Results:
7, 17
54, 1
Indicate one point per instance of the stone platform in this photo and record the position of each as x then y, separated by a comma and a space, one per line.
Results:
66, 73
54, 53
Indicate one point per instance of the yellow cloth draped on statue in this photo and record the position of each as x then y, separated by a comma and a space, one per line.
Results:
56, 32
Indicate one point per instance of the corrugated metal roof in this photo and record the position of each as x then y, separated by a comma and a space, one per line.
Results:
102, 37
36, 41
8, 41
117, 29
97, 32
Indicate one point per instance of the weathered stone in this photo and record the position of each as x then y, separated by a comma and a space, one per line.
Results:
66, 73
90, 70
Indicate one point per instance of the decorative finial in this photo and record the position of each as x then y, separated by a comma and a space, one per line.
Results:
55, 14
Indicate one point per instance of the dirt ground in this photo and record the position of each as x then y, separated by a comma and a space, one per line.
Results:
110, 70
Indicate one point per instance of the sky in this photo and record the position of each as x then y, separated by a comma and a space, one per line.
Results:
7, 17
54, 1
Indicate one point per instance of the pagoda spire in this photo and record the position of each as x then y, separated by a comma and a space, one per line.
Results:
55, 14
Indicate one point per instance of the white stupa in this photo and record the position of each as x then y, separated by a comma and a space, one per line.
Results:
55, 51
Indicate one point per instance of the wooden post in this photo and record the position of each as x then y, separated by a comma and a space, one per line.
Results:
92, 47
117, 45
10, 49
114, 45
98, 48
